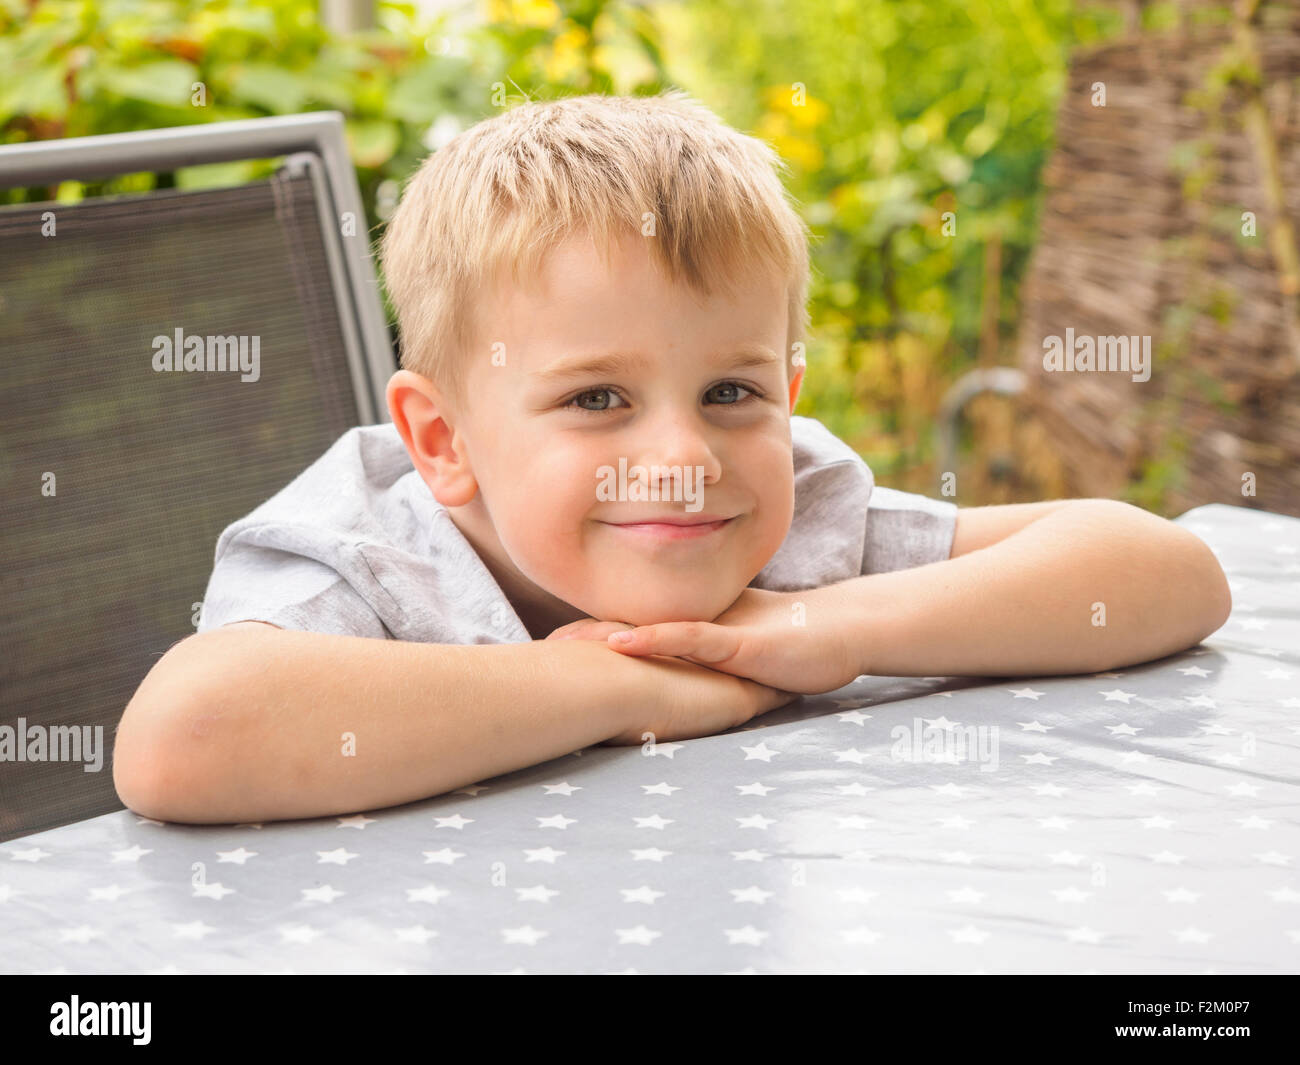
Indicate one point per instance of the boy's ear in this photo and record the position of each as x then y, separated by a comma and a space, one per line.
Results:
416, 408
795, 383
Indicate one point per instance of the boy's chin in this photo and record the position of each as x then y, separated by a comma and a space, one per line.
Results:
658, 613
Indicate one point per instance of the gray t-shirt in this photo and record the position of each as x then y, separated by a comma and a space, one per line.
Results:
357, 545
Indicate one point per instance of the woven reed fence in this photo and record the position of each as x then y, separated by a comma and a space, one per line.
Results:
1170, 213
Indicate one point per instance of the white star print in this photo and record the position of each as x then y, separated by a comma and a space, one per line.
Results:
956, 857
192, 930
756, 821
940, 723
31, 854
649, 854
358, 821
1048, 789
97, 894
338, 856
560, 789
1193, 671
556, 821
748, 936
854, 717
1039, 758
430, 893
324, 893
526, 934
854, 821
542, 854
1065, 858
851, 755
81, 934
239, 857
212, 891
762, 752
665, 749
640, 935
539, 893
749, 856
1123, 730
853, 789
445, 856
654, 821
1167, 858
1273, 858
1034, 726
645, 894
1115, 695
1201, 700
131, 854
856, 894
414, 934
454, 821
1250, 790
1026, 693
298, 933
659, 789
754, 789
472, 790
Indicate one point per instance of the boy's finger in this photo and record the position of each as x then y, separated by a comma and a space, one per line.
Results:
699, 640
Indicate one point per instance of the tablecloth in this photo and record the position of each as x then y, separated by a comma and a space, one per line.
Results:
1136, 821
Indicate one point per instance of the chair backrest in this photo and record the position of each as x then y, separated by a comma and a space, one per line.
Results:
167, 362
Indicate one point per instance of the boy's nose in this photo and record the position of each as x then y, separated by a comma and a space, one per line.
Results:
679, 439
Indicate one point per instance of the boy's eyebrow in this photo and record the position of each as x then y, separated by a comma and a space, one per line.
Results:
617, 362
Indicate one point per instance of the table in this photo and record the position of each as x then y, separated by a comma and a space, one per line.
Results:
1140, 821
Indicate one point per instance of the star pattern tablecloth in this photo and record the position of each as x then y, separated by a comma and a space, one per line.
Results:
1138, 821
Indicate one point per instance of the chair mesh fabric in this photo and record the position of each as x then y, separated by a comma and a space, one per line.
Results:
117, 478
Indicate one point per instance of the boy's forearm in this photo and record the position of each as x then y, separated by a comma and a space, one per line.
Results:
276, 724
1034, 603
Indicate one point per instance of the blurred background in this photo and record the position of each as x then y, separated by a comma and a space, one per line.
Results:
980, 175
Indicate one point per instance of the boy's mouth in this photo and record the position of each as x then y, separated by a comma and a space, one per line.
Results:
674, 527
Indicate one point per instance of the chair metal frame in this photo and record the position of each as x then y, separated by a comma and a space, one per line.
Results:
320, 134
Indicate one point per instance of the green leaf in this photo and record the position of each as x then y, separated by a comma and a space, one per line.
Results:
168, 82
270, 87
372, 143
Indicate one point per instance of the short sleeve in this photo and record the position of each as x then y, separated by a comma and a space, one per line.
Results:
256, 581
905, 530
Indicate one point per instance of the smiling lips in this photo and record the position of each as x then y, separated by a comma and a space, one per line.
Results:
674, 528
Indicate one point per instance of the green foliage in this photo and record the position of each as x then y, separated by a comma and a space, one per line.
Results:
893, 115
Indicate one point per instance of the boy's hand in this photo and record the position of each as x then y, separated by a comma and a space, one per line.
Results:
792, 641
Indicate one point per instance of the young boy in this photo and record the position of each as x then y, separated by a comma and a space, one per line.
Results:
594, 443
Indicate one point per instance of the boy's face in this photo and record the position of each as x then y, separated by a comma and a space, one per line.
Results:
538, 468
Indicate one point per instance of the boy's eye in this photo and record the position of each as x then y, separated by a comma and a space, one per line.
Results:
596, 400
598, 394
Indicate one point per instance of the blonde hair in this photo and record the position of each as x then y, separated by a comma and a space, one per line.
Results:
511, 187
